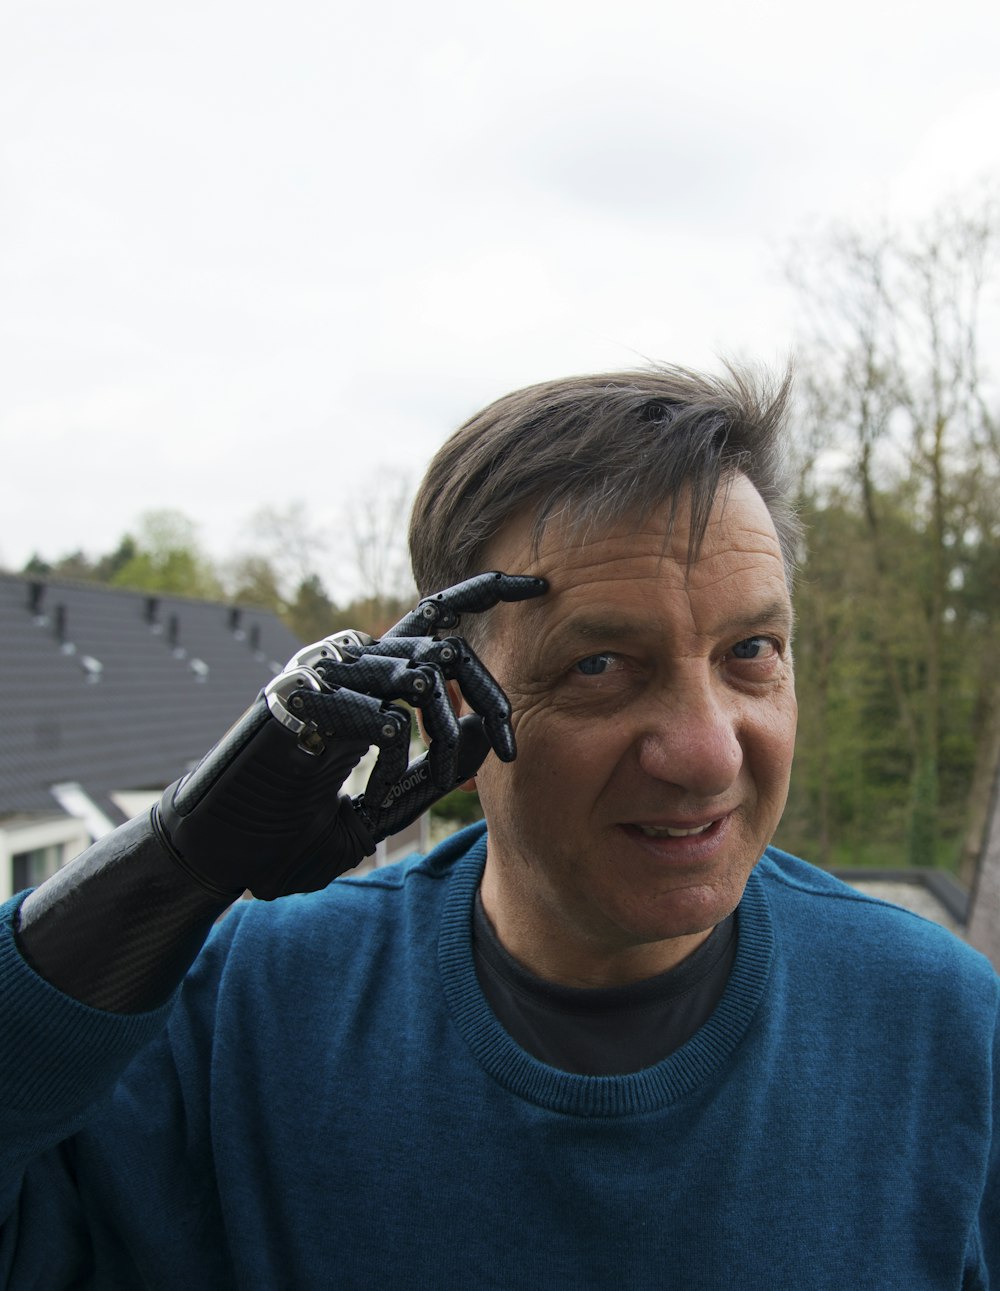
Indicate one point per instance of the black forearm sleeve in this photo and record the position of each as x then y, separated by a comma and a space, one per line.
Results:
118, 927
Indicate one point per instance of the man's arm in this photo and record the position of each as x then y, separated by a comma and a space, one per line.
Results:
117, 928
89, 962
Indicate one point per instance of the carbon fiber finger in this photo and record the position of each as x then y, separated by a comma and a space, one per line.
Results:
397, 804
455, 660
476, 594
382, 674
346, 715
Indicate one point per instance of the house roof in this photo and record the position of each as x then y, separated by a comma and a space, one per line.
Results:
119, 690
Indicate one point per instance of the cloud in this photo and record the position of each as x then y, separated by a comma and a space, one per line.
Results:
248, 254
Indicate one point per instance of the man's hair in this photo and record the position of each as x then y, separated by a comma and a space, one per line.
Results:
596, 450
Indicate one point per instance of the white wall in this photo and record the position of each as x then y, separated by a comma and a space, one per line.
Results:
25, 835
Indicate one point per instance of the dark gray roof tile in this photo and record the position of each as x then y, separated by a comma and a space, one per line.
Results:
148, 715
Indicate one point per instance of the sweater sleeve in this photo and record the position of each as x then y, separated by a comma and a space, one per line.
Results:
989, 1215
58, 1058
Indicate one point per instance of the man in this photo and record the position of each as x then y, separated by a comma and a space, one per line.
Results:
615, 1039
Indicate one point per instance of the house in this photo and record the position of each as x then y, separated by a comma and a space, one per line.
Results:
106, 697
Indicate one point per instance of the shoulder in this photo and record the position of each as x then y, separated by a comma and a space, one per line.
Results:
390, 902
360, 947
415, 871
830, 921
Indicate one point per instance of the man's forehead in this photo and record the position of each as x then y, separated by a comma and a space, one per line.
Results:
575, 537
607, 580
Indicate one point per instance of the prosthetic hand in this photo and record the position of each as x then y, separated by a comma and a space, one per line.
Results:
261, 811
118, 927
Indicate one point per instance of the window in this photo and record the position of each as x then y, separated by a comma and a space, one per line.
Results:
34, 867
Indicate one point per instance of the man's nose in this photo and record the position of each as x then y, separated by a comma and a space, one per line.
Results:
691, 739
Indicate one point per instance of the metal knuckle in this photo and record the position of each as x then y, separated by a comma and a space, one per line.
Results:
350, 640
279, 692
309, 656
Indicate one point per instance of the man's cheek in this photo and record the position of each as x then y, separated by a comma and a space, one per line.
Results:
531, 703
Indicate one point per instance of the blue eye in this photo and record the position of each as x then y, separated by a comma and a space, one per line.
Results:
752, 647
593, 665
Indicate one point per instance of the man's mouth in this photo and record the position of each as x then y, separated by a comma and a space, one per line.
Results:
668, 831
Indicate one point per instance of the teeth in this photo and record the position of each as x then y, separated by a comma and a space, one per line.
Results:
657, 831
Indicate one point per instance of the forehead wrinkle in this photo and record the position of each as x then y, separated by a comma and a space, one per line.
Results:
605, 627
575, 561
757, 542
663, 532
579, 575
753, 560
754, 619
704, 577
606, 549
597, 557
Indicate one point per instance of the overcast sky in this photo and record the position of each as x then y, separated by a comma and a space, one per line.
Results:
253, 253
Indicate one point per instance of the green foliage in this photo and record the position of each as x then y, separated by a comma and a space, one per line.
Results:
106, 568
923, 822
898, 605
311, 614
253, 581
165, 557
460, 807
862, 791
179, 573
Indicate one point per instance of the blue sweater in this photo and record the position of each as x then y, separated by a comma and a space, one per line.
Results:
328, 1102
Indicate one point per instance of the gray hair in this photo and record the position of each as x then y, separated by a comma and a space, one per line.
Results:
595, 450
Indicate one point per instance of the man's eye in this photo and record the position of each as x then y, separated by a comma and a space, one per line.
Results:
755, 648
594, 664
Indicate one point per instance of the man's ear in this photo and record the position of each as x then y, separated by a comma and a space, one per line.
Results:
460, 709
457, 702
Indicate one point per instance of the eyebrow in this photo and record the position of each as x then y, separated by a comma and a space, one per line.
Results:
598, 629
778, 612
609, 627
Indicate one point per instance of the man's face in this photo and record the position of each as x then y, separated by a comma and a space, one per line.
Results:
654, 711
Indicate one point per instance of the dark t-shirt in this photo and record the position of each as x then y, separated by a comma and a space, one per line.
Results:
611, 1030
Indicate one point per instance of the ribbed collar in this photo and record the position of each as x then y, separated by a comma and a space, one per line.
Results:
639, 1092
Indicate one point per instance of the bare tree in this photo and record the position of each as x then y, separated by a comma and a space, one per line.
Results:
376, 524
892, 326
287, 539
